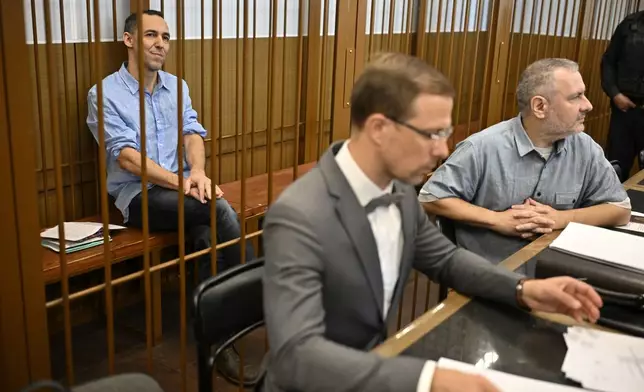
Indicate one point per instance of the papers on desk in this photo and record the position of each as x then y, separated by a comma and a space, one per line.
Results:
506, 382
604, 361
78, 236
610, 247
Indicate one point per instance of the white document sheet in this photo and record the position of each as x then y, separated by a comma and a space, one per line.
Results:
602, 245
506, 382
77, 231
604, 361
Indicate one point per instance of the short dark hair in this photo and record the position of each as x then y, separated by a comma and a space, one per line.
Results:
130, 22
390, 84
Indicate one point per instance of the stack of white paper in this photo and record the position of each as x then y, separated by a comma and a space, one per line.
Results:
78, 236
604, 361
611, 247
506, 382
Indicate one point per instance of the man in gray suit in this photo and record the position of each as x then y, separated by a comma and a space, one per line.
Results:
341, 241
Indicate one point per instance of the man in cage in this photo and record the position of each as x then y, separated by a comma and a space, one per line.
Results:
123, 144
622, 74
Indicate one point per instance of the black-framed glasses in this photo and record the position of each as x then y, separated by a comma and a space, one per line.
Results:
432, 135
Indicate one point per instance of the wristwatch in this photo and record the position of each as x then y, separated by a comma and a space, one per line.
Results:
519, 295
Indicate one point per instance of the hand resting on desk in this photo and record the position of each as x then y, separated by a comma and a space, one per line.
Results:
563, 295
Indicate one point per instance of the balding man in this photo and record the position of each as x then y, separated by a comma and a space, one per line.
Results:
531, 174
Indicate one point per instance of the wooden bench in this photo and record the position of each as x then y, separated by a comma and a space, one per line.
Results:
257, 188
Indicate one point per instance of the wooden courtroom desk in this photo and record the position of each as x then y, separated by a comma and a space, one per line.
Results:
491, 334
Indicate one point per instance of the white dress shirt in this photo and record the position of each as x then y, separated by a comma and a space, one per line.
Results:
387, 231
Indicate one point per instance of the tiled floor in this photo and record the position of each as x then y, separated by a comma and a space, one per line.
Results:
90, 352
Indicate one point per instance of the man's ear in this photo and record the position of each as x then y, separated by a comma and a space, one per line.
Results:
539, 106
375, 126
128, 39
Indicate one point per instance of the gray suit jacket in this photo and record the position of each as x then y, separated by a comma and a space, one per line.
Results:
323, 290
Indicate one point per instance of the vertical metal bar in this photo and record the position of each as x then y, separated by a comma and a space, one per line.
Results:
421, 34
220, 117
298, 89
254, 92
371, 27
556, 27
71, 167
427, 294
41, 128
479, 15
410, 9
382, 25
80, 124
390, 31
507, 74
114, 25
53, 107
323, 84
487, 63
518, 63
543, 3
461, 74
438, 32
214, 131
283, 88
450, 55
414, 300
182, 240
237, 91
532, 23
202, 105
269, 122
102, 164
144, 181
90, 45
579, 38
563, 30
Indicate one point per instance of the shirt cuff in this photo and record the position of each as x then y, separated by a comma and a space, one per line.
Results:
624, 203
426, 377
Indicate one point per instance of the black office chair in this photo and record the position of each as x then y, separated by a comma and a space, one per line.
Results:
227, 307
446, 226
640, 160
617, 167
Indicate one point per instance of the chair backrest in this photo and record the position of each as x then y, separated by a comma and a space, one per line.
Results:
226, 307
640, 160
617, 167
446, 226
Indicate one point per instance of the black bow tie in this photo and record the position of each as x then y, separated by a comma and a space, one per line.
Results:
384, 201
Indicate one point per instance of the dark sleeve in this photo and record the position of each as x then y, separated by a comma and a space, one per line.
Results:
610, 59
460, 269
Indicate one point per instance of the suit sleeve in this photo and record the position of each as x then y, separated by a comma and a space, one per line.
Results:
609, 63
301, 358
464, 271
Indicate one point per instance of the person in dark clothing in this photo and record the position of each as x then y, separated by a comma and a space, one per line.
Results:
622, 74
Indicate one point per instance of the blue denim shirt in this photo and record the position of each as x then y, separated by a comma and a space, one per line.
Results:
122, 128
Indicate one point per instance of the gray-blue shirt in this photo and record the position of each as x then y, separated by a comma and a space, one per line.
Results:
500, 167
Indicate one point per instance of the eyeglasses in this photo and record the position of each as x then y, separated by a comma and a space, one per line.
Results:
432, 135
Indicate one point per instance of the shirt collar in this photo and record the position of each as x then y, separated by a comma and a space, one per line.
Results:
525, 145
364, 189
133, 84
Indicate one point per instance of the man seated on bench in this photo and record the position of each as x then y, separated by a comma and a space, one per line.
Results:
531, 174
123, 143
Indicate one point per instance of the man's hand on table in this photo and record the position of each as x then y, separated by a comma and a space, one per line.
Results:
447, 380
533, 209
563, 295
198, 185
522, 223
